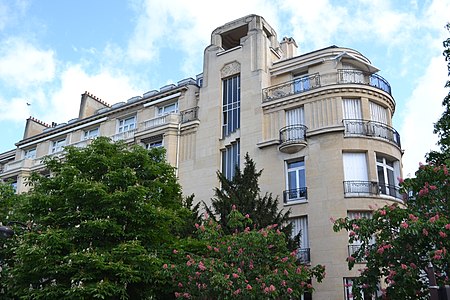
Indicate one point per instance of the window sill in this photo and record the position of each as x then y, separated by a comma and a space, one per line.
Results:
294, 202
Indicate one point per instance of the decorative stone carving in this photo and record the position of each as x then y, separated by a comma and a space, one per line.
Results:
230, 69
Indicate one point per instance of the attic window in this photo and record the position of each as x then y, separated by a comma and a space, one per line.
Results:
232, 38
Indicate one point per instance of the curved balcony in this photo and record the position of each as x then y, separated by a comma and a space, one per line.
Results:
292, 138
358, 127
313, 81
357, 188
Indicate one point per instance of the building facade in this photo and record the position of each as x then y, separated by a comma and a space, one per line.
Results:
319, 124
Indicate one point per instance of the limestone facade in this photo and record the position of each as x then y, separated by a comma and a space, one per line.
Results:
319, 124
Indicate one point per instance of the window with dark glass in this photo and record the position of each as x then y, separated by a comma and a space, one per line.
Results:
388, 170
295, 181
231, 104
230, 160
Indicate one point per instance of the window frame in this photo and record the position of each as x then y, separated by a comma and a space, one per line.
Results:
122, 124
231, 104
27, 154
299, 192
58, 145
230, 159
166, 109
390, 184
88, 133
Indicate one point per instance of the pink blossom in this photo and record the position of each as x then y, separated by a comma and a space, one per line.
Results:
196, 225
175, 251
235, 275
237, 292
216, 249
400, 180
209, 247
233, 207
351, 233
289, 290
283, 282
285, 259
355, 227
202, 228
382, 212
186, 295
247, 216
165, 266
425, 232
177, 295
413, 265
404, 225
404, 267
442, 234
201, 266
286, 272
180, 285
272, 288
447, 226
229, 249
227, 276
249, 287
434, 219
413, 217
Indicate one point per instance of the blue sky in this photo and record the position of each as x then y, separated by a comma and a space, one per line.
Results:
51, 51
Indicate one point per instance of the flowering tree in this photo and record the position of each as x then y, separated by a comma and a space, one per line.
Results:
407, 238
248, 264
400, 241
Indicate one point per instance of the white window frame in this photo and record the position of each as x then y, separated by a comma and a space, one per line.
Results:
230, 159
126, 124
170, 108
293, 193
154, 144
58, 145
231, 104
386, 168
30, 153
91, 133
300, 224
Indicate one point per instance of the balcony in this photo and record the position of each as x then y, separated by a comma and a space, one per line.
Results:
124, 135
355, 127
304, 255
295, 195
160, 121
292, 138
356, 188
189, 115
361, 188
314, 81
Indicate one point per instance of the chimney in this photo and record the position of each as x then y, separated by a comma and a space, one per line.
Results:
289, 47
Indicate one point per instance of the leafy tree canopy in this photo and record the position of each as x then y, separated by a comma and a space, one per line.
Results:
98, 225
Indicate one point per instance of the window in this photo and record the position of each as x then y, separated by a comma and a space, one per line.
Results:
351, 74
301, 83
353, 120
348, 291
91, 133
230, 160
378, 127
168, 109
356, 180
231, 104
30, 153
300, 226
127, 124
388, 170
154, 144
295, 129
356, 244
295, 182
58, 145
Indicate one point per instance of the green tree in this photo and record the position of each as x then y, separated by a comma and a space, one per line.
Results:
100, 225
248, 264
243, 192
400, 241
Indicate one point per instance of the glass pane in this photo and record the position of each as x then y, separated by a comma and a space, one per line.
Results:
302, 181
292, 180
296, 164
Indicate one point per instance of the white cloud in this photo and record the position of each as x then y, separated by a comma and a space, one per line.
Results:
422, 110
23, 65
15, 110
63, 103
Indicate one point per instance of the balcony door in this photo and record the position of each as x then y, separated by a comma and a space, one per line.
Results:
379, 118
300, 226
294, 118
353, 120
356, 180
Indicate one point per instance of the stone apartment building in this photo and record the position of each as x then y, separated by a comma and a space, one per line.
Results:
319, 124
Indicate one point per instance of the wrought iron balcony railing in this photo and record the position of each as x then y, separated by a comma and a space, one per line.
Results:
360, 77
372, 129
360, 188
304, 255
313, 81
390, 190
370, 188
300, 194
293, 133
